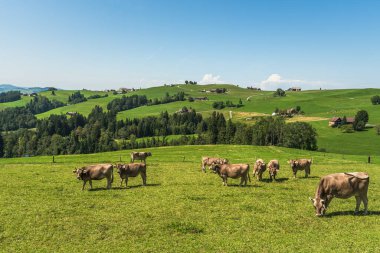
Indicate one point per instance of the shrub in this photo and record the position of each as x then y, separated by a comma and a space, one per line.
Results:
375, 100
279, 93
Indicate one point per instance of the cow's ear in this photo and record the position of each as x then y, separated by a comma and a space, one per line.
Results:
311, 199
75, 170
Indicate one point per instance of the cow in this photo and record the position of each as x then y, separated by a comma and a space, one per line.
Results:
258, 169
300, 164
140, 156
95, 172
273, 168
233, 171
341, 185
131, 170
209, 161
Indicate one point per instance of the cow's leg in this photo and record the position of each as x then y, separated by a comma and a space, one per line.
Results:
241, 181
84, 184
143, 176
307, 172
294, 173
365, 201
358, 201
121, 182
90, 181
246, 179
108, 183
225, 180
126, 182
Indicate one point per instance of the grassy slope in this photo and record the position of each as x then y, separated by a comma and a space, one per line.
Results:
323, 104
181, 209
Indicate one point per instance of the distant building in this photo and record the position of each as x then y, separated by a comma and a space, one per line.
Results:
337, 121
294, 89
71, 113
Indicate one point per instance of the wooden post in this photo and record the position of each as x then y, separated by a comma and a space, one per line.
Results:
53, 160
119, 158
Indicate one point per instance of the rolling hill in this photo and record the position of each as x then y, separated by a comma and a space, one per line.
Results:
318, 107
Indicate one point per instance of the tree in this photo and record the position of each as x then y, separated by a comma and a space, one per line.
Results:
53, 93
186, 82
1, 146
279, 93
375, 100
361, 119
344, 120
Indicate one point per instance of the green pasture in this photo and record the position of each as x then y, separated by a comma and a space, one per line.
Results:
182, 209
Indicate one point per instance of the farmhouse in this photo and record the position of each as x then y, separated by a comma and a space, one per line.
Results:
71, 113
294, 89
336, 121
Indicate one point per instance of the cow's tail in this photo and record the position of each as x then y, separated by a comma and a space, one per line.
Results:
249, 177
112, 174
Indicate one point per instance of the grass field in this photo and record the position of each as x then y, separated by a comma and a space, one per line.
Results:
182, 209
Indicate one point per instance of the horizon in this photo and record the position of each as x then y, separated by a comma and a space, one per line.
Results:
274, 44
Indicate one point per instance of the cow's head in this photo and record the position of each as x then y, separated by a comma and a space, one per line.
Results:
224, 161
148, 153
261, 164
215, 168
120, 167
293, 163
80, 173
319, 205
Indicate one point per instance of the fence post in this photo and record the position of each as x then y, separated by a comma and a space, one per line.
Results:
53, 160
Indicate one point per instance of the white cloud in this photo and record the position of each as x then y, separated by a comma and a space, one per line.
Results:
210, 79
275, 81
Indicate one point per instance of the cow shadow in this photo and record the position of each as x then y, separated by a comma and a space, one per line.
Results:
278, 180
302, 177
247, 186
351, 213
123, 187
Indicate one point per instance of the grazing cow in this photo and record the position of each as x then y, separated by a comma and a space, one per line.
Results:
95, 172
131, 170
300, 164
140, 156
209, 161
258, 169
233, 171
273, 168
341, 185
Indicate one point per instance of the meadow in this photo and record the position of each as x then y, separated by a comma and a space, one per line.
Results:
182, 209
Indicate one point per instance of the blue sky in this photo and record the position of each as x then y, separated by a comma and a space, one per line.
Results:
137, 43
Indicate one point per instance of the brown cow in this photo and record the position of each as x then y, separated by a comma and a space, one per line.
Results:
209, 161
233, 171
341, 185
131, 170
95, 172
140, 156
258, 169
300, 164
273, 168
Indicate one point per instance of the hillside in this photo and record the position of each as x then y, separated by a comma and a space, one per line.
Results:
44, 205
318, 105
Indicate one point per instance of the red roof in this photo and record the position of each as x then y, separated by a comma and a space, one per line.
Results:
335, 119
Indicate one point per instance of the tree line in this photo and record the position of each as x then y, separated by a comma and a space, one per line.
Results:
10, 96
14, 118
99, 131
